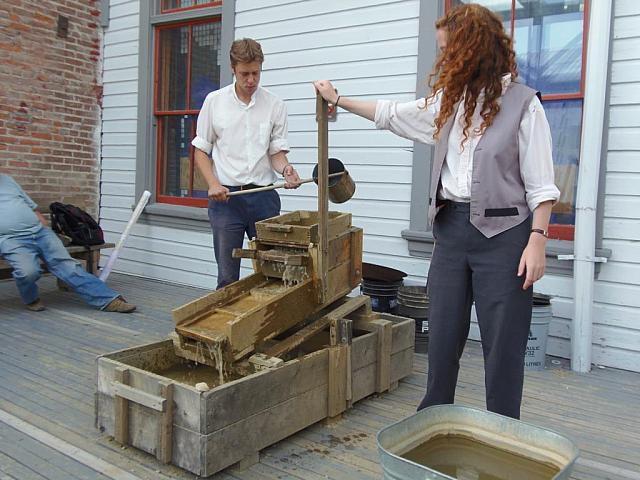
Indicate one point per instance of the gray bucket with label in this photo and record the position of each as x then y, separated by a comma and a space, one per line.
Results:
534, 358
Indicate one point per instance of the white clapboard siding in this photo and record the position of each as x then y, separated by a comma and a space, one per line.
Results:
617, 288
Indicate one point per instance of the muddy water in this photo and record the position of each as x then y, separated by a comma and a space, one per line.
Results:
467, 459
213, 352
192, 373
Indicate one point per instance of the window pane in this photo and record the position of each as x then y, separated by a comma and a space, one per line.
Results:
205, 61
175, 151
565, 120
548, 43
175, 4
172, 60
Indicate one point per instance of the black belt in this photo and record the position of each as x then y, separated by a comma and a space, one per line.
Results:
248, 186
456, 205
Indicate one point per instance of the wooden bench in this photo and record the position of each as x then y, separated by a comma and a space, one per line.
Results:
90, 255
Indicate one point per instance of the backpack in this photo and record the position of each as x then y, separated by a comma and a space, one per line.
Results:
75, 223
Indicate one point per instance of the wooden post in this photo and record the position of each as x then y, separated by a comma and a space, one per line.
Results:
93, 259
340, 386
165, 432
385, 333
337, 388
323, 197
121, 405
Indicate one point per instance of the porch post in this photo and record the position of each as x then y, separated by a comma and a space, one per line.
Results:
593, 128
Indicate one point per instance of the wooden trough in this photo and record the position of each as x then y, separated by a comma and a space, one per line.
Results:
241, 316
205, 432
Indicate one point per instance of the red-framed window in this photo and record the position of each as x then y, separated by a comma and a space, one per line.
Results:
170, 6
550, 43
187, 68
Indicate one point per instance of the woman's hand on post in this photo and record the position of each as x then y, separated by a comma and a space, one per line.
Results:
218, 193
326, 90
291, 177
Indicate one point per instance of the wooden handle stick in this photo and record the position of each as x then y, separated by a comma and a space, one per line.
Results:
274, 186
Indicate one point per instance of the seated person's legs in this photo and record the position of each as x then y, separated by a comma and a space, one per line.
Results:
92, 290
22, 255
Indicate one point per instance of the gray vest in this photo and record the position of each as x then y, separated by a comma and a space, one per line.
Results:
498, 200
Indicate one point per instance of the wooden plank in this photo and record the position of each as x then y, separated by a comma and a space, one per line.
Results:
183, 314
298, 338
234, 401
121, 412
353, 305
137, 396
403, 333
323, 198
281, 257
76, 453
337, 387
165, 442
356, 255
253, 433
383, 374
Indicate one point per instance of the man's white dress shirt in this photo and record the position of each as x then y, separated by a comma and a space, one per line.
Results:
241, 137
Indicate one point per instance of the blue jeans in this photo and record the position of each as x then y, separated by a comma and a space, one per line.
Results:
231, 220
22, 254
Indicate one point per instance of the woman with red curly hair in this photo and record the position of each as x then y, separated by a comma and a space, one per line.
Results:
492, 190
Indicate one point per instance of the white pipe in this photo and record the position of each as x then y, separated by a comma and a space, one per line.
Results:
584, 245
134, 218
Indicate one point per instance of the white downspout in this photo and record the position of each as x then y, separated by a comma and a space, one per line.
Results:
593, 115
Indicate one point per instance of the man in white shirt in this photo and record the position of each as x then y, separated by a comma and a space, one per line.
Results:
241, 143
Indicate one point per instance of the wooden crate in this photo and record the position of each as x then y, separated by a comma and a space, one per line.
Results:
205, 432
300, 227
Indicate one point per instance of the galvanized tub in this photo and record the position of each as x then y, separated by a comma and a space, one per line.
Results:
504, 433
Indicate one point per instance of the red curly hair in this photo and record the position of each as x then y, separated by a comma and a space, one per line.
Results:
477, 55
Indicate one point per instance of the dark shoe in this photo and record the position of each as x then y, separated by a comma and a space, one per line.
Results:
35, 306
119, 305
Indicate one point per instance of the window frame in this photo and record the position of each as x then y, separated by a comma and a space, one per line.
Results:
212, 3
169, 199
188, 214
419, 235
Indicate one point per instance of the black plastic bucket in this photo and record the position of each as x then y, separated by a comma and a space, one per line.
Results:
381, 284
383, 296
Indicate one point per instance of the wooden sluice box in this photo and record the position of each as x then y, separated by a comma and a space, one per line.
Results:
287, 359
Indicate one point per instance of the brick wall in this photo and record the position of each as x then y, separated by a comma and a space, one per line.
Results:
50, 96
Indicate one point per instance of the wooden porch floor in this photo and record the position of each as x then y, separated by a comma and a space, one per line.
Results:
47, 375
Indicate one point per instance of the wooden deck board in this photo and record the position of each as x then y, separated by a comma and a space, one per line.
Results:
47, 376
40, 457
